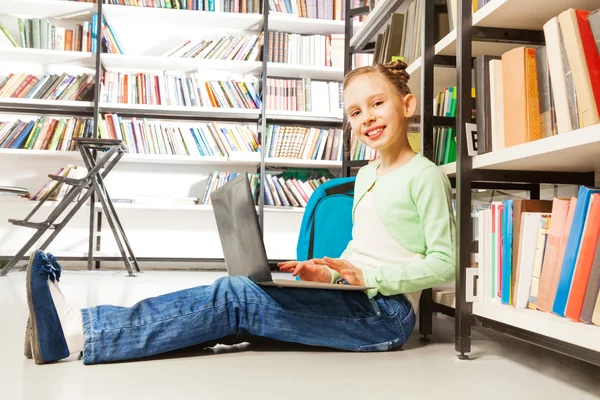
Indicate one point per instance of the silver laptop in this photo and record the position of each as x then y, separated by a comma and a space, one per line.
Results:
242, 243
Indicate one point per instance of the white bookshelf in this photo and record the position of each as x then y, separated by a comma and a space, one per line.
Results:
288, 162
184, 111
248, 159
134, 62
547, 324
139, 62
310, 26
575, 151
143, 33
305, 71
204, 19
304, 116
42, 56
48, 8
47, 104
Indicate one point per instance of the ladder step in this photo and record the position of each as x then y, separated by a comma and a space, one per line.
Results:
68, 181
34, 225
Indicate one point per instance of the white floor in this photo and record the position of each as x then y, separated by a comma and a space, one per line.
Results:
503, 368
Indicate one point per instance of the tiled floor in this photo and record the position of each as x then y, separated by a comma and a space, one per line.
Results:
504, 368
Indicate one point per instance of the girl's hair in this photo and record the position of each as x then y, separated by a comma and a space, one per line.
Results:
394, 72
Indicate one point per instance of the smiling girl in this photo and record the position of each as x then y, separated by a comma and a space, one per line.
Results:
404, 230
402, 242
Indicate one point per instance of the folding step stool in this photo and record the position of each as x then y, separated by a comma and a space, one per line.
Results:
110, 152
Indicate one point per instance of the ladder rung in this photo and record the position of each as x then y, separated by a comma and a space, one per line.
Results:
68, 181
34, 225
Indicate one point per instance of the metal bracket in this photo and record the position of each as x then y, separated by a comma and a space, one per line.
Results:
470, 295
503, 35
550, 177
359, 11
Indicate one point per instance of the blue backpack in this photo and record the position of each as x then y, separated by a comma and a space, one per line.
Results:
327, 223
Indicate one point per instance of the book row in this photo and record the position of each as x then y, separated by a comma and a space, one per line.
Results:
304, 95
319, 50
234, 6
279, 190
444, 138
532, 93
319, 9
57, 190
542, 255
198, 139
44, 133
299, 142
48, 87
39, 33
400, 37
177, 89
239, 47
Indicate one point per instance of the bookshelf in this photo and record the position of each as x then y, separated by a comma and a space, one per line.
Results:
144, 34
40, 56
569, 158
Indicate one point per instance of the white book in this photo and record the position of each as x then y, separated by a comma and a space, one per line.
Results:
60, 38
556, 61
526, 260
497, 104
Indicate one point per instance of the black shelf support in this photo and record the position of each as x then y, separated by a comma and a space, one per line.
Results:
463, 177
549, 177
502, 35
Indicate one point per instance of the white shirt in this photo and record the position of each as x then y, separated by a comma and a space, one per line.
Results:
373, 247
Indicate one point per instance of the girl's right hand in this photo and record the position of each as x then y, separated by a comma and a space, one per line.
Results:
307, 270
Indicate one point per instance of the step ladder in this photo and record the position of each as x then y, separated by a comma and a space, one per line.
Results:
99, 156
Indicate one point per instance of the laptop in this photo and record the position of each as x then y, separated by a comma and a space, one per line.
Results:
243, 246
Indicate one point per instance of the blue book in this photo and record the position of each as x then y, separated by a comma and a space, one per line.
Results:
23, 136
572, 250
507, 237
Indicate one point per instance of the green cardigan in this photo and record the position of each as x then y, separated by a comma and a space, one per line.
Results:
414, 203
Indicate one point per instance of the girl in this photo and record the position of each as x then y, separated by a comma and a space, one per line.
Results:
402, 242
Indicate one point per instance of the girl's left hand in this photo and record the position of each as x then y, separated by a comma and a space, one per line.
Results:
349, 272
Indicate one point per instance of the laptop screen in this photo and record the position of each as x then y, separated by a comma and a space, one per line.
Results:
239, 232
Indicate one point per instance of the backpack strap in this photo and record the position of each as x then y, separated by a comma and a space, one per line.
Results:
340, 189
311, 242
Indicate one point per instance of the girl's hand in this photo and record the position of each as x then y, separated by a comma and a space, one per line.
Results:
307, 270
349, 272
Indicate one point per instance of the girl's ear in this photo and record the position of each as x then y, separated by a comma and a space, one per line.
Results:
410, 105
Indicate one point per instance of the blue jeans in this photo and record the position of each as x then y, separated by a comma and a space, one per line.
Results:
235, 306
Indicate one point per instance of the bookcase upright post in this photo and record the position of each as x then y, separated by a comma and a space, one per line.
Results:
262, 119
463, 177
95, 223
426, 129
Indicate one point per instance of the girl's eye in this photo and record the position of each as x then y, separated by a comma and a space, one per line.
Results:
377, 103
354, 113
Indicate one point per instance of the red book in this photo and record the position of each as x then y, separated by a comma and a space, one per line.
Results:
585, 260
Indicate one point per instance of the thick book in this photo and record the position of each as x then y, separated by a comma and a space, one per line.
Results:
585, 261
585, 63
519, 208
483, 100
562, 215
572, 249
521, 108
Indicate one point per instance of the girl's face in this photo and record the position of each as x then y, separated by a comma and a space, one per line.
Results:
376, 112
